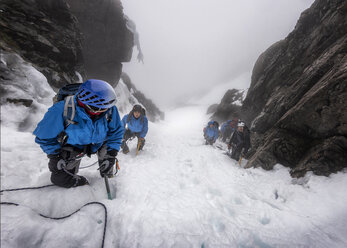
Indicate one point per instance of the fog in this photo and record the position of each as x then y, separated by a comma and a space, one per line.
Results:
190, 46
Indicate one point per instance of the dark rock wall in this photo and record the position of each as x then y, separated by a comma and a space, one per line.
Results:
229, 107
152, 111
297, 101
107, 41
44, 33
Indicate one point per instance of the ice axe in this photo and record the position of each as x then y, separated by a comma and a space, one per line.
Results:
108, 188
241, 156
139, 143
109, 196
138, 147
240, 160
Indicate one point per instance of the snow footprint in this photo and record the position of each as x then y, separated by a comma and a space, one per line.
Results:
217, 225
238, 201
264, 220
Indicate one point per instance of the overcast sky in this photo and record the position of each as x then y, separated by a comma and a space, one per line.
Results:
189, 45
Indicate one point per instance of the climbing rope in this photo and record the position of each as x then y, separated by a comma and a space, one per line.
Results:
67, 216
87, 166
18, 189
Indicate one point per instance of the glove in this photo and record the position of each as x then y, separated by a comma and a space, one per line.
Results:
107, 164
64, 155
69, 153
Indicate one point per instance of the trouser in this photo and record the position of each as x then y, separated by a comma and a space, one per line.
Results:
209, 141
129, 135
59, 176
236, 152
225, 136
67, 177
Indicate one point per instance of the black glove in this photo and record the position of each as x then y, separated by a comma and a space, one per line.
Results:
107, 164
64, 155
69, 153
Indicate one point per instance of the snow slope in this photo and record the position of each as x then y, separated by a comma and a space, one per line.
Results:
176, 193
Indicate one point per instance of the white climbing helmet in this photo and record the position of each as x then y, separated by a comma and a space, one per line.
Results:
241, 124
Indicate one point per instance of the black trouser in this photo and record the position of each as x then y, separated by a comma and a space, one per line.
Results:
128, 135
226, 135
209, 141
60, 177
67, 178
236, 152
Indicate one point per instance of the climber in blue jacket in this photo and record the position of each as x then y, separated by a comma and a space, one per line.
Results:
93, 126
211, 132
136, 125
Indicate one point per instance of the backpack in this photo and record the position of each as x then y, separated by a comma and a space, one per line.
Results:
67, 93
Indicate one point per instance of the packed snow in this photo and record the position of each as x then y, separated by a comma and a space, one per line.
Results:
177, 192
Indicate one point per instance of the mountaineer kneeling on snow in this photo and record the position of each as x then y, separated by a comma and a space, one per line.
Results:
82, 124
239, 141
136, 124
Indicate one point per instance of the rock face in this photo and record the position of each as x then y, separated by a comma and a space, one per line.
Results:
229, 107
152, 111
44, 33
107, 41
297, 101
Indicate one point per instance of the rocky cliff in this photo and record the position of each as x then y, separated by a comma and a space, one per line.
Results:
297, 101
229, 107
44, 33
152, 111
107, 41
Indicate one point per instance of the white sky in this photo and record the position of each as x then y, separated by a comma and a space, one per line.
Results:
191, 45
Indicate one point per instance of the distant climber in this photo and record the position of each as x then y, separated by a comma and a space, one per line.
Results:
130, 24
211, 132
78, 125
228, 128
239, 141
136, 125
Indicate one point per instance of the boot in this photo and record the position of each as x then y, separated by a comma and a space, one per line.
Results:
125, 148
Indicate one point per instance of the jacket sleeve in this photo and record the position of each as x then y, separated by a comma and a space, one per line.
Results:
145, 127
49, 128
232, 138
115, 132
124, 120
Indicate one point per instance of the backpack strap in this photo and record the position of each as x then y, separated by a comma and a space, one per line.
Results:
69, 111
129, 116
109, 115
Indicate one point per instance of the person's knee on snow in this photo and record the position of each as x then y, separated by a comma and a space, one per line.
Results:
63, 174
62, 132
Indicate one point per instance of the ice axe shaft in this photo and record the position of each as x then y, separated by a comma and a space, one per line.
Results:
138, 147
240, 160
107, 188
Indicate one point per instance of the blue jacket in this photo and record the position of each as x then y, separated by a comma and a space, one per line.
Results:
225, 125
84, 132
226, 128
211, 133
136, 125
